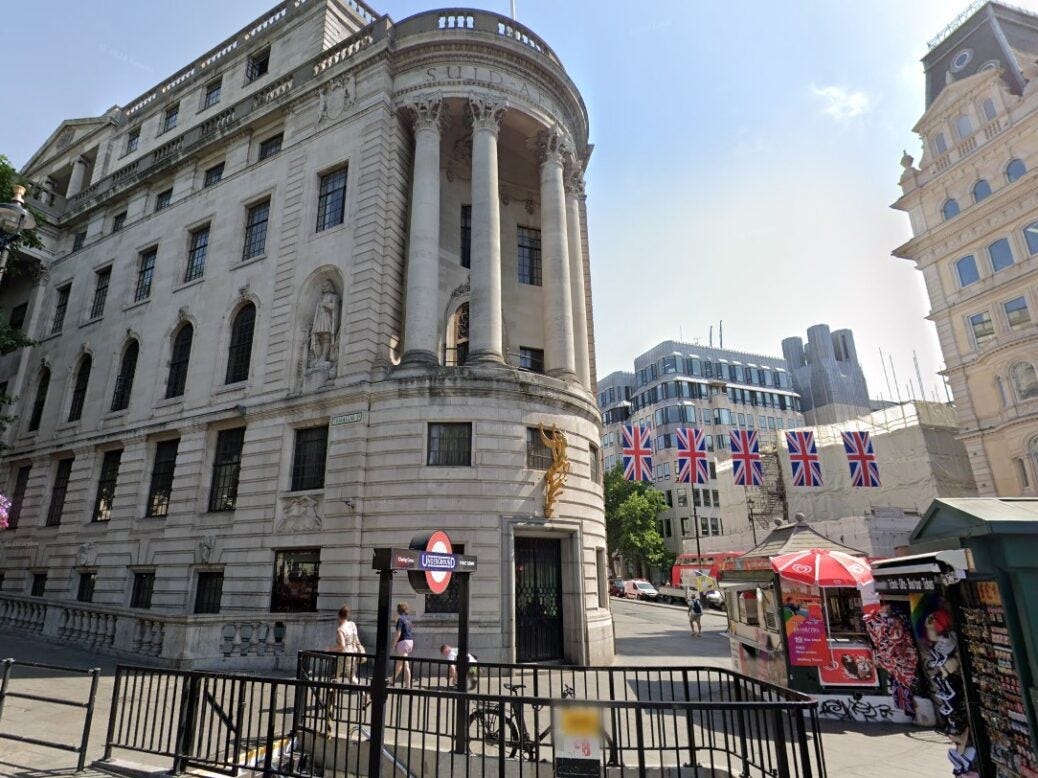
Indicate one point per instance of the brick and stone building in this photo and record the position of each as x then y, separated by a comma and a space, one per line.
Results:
312, 294
974, 220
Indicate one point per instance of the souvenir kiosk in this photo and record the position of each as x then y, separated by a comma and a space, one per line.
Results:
797, 604
968, 595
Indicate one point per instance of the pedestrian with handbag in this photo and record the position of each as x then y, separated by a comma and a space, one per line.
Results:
404, 644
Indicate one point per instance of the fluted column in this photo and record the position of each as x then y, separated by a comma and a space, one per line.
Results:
574, 191
559, 359
485, 338
421, 325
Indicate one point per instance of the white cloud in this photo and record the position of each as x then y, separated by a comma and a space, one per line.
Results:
842, 104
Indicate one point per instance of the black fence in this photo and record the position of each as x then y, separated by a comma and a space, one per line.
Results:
11, 680
649, 722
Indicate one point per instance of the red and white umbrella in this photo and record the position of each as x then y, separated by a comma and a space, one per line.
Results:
822, 567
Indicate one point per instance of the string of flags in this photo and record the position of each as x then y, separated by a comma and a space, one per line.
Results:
747, 468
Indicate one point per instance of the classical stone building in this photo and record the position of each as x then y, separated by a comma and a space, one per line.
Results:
678, 384
311, 295
826, 375
974, 219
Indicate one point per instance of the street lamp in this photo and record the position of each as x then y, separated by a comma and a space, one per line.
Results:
14, 220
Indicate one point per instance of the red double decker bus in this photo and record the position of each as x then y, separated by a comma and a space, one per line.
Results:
709, 562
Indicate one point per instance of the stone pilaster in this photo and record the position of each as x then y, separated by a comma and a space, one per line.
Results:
559, 357
574, 191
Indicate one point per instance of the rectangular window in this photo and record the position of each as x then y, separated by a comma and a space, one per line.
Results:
196, 254
209, 592
258, 65
538, 455
1021, 473
270, 146
669, 497
331, 199
717, 499
106, 485
78, 240
966, 269
133, 140
39, 584
448, 601
308, 460
596, 466
104, 277
145, 272
296, 575
256, 230
529, 248
466, 236
531, 359
450, 444
212, 94
169, 119
982, 327
60, 309
57, 494
213, 175
163, 199
1001, 255
223, 495
86, 587
162, 478
1016, 312
118, 221
682, 498
21, 483
143, 587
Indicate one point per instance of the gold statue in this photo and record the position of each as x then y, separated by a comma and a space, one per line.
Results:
556, 476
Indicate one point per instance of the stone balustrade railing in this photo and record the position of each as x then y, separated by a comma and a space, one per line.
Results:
255, 641
966, 146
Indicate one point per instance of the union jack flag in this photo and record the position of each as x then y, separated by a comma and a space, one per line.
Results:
637, 453
746, 464
803, 458
692, 466
861, 458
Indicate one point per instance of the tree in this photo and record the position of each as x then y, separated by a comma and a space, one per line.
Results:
632, 529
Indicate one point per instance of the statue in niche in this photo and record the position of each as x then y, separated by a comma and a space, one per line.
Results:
324, 332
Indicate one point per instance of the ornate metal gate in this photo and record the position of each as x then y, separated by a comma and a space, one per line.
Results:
538, 599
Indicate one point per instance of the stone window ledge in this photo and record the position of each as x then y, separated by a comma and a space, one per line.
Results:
250, 261
189, 284
137, 304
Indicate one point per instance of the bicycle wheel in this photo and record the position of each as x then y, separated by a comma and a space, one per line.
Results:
485, 734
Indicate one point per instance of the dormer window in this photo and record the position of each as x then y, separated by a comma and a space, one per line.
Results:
258, 65
939, 143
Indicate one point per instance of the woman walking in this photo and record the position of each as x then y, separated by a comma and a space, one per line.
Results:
347, 641
404, 644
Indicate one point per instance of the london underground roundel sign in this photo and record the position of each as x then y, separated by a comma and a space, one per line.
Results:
436, 560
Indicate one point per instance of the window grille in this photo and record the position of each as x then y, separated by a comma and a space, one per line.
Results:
538, 455
308, 462
212, 94
256, 230
240, 350
163, 199
57, 495
209, 592
176, 381
162, 478
331, 199
223, 494
124, 381
143, 588
213, 175
145, 273
529, 249
169, 120
258, 65
118, 221
450, 444
133, 140
270, 146
40, 401
106, 485
60, 309
531, 359
104, 277
196, 254
79, 390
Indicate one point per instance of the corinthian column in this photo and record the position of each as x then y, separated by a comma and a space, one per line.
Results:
574, 191
485, 340
559, 357
421, 327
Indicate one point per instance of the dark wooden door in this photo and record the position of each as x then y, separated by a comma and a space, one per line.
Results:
538, 599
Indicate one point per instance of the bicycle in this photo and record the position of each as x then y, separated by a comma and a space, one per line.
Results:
485, 726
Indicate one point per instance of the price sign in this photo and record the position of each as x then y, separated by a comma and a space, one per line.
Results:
578, 741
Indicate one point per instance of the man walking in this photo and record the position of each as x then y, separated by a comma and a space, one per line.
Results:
695, 613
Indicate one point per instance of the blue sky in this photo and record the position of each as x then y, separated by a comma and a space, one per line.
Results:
745, 153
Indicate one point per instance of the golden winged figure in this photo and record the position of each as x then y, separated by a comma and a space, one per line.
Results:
555, 478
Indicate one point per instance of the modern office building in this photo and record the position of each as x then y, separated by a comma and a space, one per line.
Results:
974, 219
313, 294
678, 384
826, 375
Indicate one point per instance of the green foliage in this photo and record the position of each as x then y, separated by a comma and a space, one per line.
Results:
632, 530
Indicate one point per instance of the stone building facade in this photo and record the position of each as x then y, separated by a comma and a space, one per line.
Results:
827, 376
677, 384
313, 294
974, 221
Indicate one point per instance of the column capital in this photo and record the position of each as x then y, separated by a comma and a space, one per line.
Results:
552, 147
426, 112
485, 112
573, 180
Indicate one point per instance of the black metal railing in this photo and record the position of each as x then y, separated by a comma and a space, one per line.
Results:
652, 721
10, 668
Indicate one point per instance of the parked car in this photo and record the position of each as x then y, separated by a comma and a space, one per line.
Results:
640, 589
714, 598
616, 587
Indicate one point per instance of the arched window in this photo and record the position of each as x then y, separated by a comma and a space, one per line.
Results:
41, 399
966, 268
75, 408
950, 208
963, 127
124, 381
240, 351
1025, 380
1001, 255
458, 338
1015, 169
178, 361
981, 189
1031, 237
